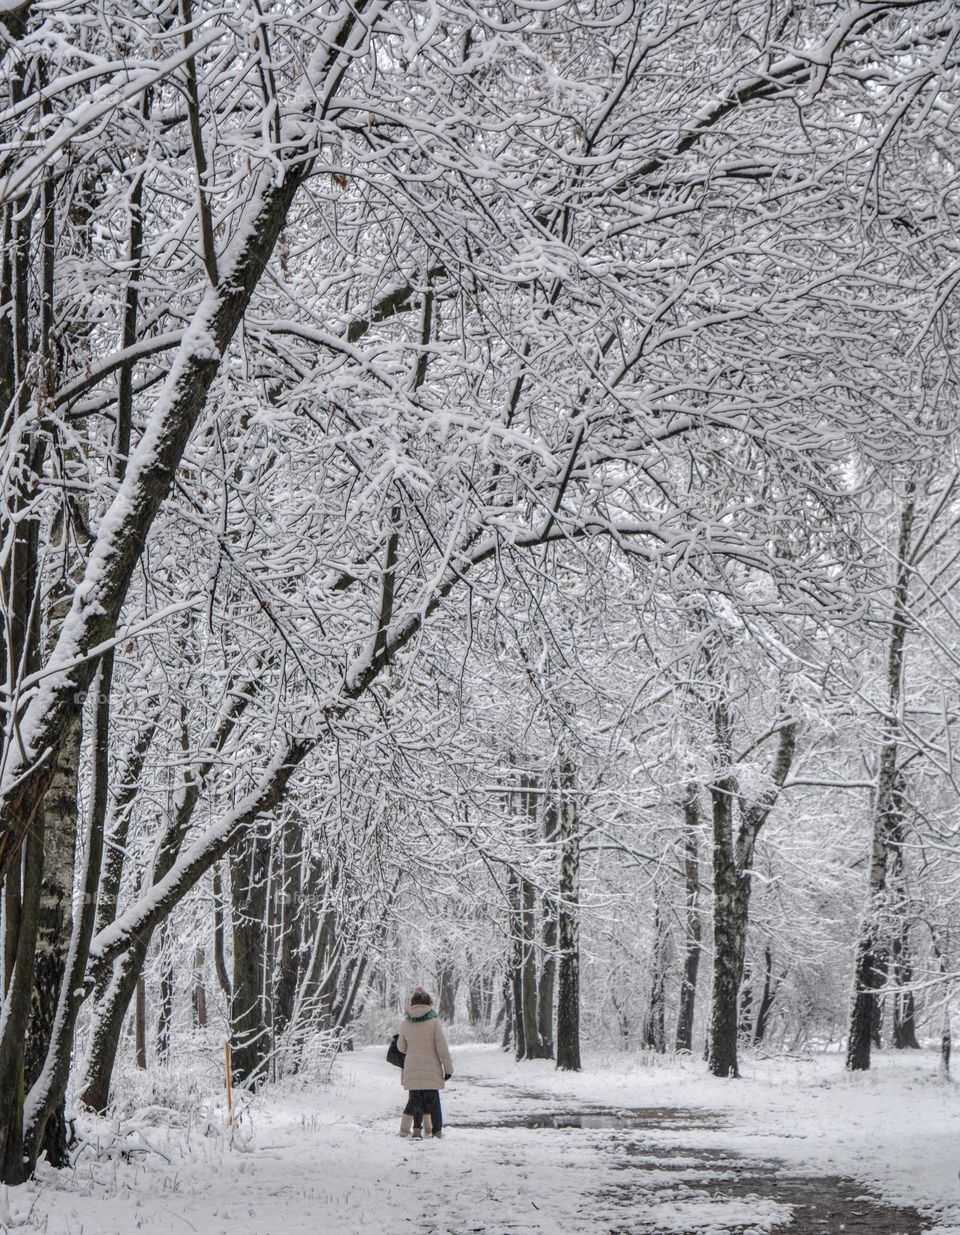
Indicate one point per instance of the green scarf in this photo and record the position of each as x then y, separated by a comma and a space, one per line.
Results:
417, 1019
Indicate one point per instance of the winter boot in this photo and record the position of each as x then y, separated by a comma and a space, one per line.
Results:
406, 1123
428, 1125
417, 1134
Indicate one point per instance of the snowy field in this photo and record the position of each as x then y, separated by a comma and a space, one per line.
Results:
309, 1158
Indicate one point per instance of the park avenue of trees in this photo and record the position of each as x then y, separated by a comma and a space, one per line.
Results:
481, 500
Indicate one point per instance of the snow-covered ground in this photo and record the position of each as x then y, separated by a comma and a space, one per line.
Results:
313, 1158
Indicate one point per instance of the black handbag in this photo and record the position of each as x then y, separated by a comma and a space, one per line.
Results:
394, 1054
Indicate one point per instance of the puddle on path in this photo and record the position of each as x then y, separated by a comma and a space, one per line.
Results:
821, 1205
627, 1118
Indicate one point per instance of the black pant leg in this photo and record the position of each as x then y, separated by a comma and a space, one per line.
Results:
420, 1100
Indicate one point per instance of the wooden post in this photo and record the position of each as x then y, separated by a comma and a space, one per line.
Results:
227, 1065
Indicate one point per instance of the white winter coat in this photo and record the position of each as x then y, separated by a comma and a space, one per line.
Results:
428, 1056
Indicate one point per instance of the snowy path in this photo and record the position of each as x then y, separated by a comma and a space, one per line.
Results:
320, 1159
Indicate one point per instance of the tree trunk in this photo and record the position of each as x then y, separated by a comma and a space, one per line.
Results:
548, 937
117, 987
887, 811
863, 1018
622, 1013
199, 995
945, 1043
60, 806
489, 986
291, 920
770, 988
321, 971
904, 1001
20, 643
474, 997
219, 958
165, 998
945, 1032
506, 1041
109, 1015
54, 926
693, 929
745, 1023
250, 1043
46, 1095
654, 1025
568, 926
348, 1002
534, 1045
124, 797
10, 907
271, 937
140, 1024
879, 1005
16, 1011
531, 1036
729, 933
729, 905
515, 964
446, 992
732, 871
905, 1022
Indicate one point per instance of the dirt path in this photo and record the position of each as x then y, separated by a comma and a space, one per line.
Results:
526, 1151
819, 1205
673, 1182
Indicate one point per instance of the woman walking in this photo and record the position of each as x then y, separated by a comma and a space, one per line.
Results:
426, 1067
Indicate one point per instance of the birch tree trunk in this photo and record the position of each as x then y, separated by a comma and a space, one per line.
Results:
904, 1004
506, 1038
54, 926
46, 1095
165, 997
